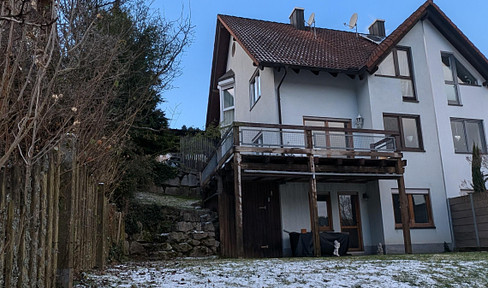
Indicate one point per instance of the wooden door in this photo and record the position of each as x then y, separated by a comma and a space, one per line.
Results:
351, 220
261, 219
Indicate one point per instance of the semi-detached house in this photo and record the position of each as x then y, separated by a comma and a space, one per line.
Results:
326, 130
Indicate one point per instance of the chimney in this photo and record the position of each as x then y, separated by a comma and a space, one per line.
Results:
297, 18
377, 28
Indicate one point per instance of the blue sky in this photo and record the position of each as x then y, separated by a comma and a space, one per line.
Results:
186, 103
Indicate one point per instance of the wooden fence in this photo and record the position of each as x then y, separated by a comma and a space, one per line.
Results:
470, 220
55, 221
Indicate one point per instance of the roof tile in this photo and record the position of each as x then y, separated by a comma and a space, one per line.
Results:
271, 43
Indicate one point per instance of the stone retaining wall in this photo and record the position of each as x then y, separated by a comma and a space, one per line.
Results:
191, 234
185, 184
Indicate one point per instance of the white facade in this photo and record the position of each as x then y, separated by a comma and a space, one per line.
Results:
436, 169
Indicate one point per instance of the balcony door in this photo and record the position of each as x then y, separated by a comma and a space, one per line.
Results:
329, 139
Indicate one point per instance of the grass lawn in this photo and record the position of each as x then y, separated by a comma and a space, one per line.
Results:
420, 270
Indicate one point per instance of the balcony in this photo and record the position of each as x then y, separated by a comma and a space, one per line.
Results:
268, 143
259, 154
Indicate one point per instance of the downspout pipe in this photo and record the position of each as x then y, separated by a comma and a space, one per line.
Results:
278, 95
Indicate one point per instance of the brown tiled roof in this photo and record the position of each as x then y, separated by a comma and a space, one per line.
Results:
278, 44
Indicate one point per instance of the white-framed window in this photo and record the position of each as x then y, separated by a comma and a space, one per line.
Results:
465, 133
255, 87
227, 108
454, 74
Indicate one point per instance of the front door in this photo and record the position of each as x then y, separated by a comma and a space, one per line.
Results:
261, 219
351, 220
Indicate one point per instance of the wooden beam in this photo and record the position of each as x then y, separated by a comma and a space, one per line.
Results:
238, 204
407, 241
312, 198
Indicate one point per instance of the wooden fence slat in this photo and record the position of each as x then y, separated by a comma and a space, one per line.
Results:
57, 185
41, 258
34, 225
3, 221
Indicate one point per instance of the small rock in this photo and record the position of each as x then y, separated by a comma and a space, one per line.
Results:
208, 226
184, 226
200, 251
190, 217
199, 235
136, 248
183, 247
190, 180
194, 242
175, 182
209, 242
166, 247
176, 237
197, 226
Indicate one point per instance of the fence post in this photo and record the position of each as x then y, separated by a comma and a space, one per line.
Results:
66, 218
100, 262
451, 227
474, 221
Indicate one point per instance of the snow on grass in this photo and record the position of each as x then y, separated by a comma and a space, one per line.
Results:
444, 270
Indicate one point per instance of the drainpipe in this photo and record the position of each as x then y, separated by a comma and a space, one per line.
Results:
278, 95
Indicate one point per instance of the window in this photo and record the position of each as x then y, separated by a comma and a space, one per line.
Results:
454, 74
330, 139
419, 208
398, 64
465, 133
408, 128
226, 88
255, 88
324, 212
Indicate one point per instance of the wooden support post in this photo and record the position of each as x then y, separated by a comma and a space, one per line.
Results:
223, 221
407, 241
312, 198
238, 204
101, 230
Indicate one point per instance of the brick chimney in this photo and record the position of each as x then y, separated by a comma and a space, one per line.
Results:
297, 18
377, 28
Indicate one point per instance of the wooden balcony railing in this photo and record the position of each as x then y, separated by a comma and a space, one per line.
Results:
299, 141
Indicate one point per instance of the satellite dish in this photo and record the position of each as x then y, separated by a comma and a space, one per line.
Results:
311, 19
354, 20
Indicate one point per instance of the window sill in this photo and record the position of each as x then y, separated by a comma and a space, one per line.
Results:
470, 153
411, 100
416, 227
472, 85
455, 104
412, 150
